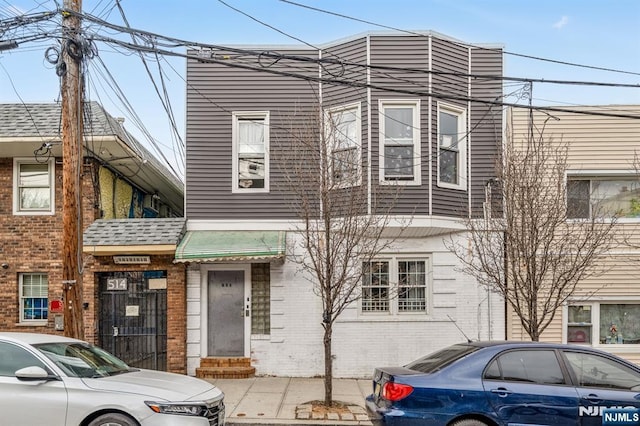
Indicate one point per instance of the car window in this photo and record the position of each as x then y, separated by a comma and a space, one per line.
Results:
83, 360
13, 358
592, 370
440, 359
531, 366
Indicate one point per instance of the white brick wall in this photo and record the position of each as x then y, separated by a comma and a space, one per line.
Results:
360, 343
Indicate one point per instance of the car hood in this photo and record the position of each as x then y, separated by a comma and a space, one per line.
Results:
157, 385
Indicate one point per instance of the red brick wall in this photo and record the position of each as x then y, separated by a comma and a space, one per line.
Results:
34, 244
176, 303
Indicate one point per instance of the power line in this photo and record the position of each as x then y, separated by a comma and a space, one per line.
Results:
467, 44
313, 78
276, 57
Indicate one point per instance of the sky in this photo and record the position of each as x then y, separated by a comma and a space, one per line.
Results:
598, 34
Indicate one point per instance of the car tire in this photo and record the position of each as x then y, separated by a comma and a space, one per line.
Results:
113, 419
469, 422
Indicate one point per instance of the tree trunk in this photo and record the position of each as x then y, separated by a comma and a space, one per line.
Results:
328, 365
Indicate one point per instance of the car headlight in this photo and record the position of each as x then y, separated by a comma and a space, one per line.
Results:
180, 408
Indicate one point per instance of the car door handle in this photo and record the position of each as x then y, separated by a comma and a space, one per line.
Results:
592, 398
501, 391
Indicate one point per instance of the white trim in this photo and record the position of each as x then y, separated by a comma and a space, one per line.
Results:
417, 156
297, 225
52, 189
257, 115
461, 113
602, 173
369, 137
204, 303
21, 319
468, 145
595, 303
430, 123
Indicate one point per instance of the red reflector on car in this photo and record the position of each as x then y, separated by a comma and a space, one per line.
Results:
396, 391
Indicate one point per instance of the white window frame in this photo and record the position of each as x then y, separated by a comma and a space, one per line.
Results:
22, 319
236, 116
17, 210
461, 113
383, 104
393, 300
595, 306
591, 176
357, 143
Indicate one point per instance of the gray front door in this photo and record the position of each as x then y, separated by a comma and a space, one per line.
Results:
226, 313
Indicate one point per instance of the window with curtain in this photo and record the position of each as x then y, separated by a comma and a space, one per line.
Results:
33, 187
34, 297
344, 141
251, 143
604, 323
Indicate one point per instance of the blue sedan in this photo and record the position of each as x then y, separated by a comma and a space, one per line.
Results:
508, 383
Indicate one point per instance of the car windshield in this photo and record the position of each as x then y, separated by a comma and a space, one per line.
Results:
441, 359
83, 360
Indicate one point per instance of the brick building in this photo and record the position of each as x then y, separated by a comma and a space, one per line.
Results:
119, 179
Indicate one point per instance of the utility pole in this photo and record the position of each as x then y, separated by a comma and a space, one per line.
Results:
72, 133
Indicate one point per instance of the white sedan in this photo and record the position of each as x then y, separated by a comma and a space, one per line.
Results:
53, 380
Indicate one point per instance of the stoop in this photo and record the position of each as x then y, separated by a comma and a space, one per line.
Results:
225, 368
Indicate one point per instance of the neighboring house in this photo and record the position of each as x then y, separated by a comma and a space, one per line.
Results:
417, 116
120, 180
603, 170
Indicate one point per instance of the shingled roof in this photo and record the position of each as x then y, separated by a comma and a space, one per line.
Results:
133, 235
25, 120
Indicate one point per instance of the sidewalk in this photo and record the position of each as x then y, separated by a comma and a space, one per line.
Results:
284, 400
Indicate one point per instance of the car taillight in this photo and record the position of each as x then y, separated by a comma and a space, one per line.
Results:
395, 391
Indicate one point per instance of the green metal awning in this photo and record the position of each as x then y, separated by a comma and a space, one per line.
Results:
226, 246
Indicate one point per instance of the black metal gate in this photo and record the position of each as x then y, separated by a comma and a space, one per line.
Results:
133, 317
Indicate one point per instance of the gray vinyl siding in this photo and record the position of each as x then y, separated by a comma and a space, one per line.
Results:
213, 93
352, 69
450, 60
215, 90
486, 122
410, 81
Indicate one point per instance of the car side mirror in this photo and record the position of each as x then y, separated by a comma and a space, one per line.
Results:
34, 373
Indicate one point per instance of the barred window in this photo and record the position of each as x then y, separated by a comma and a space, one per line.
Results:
412, 286
375, 287
395, 286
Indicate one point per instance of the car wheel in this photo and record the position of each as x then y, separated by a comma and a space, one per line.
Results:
113, 419
469, 422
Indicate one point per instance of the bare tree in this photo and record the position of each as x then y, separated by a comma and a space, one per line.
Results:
342, 219
539, 244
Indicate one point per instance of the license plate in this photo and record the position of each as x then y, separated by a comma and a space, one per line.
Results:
377, 389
